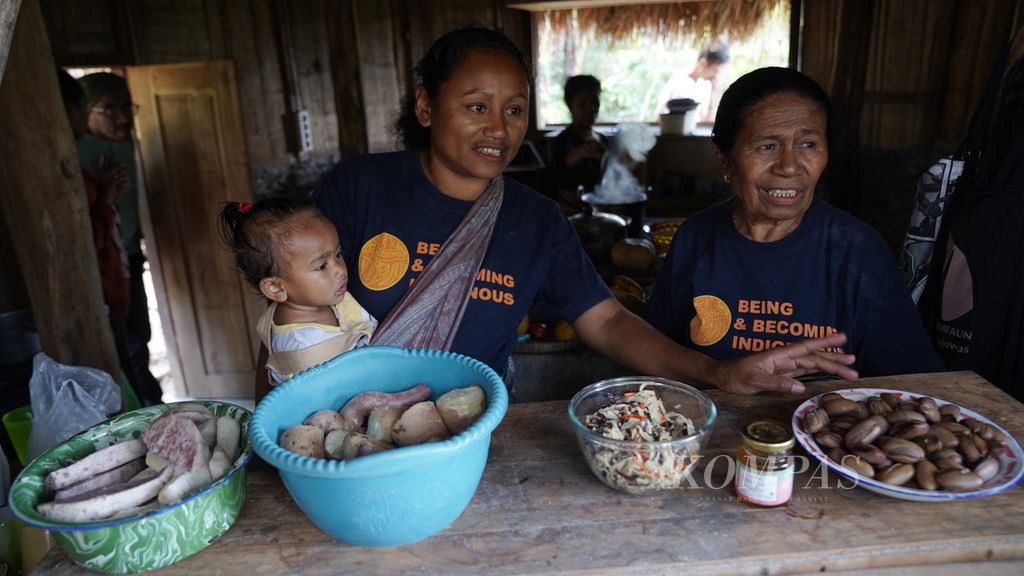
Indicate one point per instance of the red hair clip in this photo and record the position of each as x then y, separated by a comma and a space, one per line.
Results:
244, 207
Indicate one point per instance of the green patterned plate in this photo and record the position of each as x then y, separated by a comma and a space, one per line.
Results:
145, 541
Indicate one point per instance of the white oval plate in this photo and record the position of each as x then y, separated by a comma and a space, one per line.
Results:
1010, 458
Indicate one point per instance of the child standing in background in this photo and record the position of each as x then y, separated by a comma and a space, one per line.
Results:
289, 251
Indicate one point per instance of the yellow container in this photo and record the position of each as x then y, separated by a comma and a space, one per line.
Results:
18, 423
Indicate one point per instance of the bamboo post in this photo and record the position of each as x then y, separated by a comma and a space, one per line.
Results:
45, 204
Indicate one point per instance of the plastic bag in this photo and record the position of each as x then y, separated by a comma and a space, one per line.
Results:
67, 400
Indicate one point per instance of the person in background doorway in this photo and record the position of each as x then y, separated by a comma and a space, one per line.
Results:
110, 115
103, 188
578, 152
700, 84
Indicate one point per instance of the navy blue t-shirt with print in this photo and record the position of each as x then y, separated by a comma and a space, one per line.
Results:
726, 295
391, 221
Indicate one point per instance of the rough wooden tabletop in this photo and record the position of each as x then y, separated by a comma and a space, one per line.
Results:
540, 510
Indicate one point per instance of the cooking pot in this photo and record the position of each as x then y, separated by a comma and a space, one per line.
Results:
598, 232
632, 212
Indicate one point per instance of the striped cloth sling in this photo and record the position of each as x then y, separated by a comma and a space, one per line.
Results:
429, 314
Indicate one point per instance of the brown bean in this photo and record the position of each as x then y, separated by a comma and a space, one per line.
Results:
893, 400
950, 410
828, 397
974, 424
929, 408
865, 432
924, 473
897, 474
903, 451
897, 416
871, 454
877, 407
862, 410
828, 439
948, 459
931, 443
841, 407
836, 455
996, 435
910, 429
843, 424
859, 466
981, 444
969, 450
949, 440
815, 420
987, 468
954, 427
909, 405
959, 480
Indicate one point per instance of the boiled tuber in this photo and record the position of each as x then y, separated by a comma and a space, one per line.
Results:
461, 407
420, 423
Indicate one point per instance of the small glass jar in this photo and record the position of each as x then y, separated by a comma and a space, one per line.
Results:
764, 467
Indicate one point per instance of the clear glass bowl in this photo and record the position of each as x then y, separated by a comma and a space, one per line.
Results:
665, 464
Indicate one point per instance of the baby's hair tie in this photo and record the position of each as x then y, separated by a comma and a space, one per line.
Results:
244, 207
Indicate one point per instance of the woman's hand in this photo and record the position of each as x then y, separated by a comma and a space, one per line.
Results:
776, 369
623, 337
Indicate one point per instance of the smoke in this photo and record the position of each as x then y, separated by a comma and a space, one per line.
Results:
618, 185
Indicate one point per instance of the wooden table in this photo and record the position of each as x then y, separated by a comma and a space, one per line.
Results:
539, 509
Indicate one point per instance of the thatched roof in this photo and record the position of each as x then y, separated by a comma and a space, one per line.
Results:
694, 22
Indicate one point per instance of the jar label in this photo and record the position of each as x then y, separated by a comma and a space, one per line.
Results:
764, 487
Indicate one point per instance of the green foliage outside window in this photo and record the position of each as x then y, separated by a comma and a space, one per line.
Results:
634, 71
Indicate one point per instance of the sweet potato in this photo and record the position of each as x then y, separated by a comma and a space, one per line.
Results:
220, 463
357, 444
229, 435
461, 407
109, 501
334, 443
420, 423
208, 430
156, 461
326, 420
381, 421
304, 440
178, 439
356, 410
98, 462
184, 484
102, 480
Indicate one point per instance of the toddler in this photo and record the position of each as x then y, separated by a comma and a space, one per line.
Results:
289, 251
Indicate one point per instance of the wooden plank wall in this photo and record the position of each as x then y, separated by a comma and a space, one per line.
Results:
927, 64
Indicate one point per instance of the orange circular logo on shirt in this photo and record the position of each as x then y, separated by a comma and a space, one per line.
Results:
383, 261
711, 321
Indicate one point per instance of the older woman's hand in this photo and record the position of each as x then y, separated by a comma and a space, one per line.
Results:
776, 370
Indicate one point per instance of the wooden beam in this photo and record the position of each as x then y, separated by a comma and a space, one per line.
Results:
8, 15
45, 204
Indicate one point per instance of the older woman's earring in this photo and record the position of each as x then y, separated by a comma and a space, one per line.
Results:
728, 179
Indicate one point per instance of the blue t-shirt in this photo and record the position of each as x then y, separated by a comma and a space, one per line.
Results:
726, 295
391, 221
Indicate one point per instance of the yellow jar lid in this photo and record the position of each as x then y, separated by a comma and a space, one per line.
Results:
768, 436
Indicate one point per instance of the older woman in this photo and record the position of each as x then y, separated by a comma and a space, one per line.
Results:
775, 265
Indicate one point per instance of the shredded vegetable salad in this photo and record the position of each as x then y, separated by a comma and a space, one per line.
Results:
641, 417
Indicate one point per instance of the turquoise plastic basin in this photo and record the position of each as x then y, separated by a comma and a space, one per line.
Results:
390, 498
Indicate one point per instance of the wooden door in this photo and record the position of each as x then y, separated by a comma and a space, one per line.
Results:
193, 153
